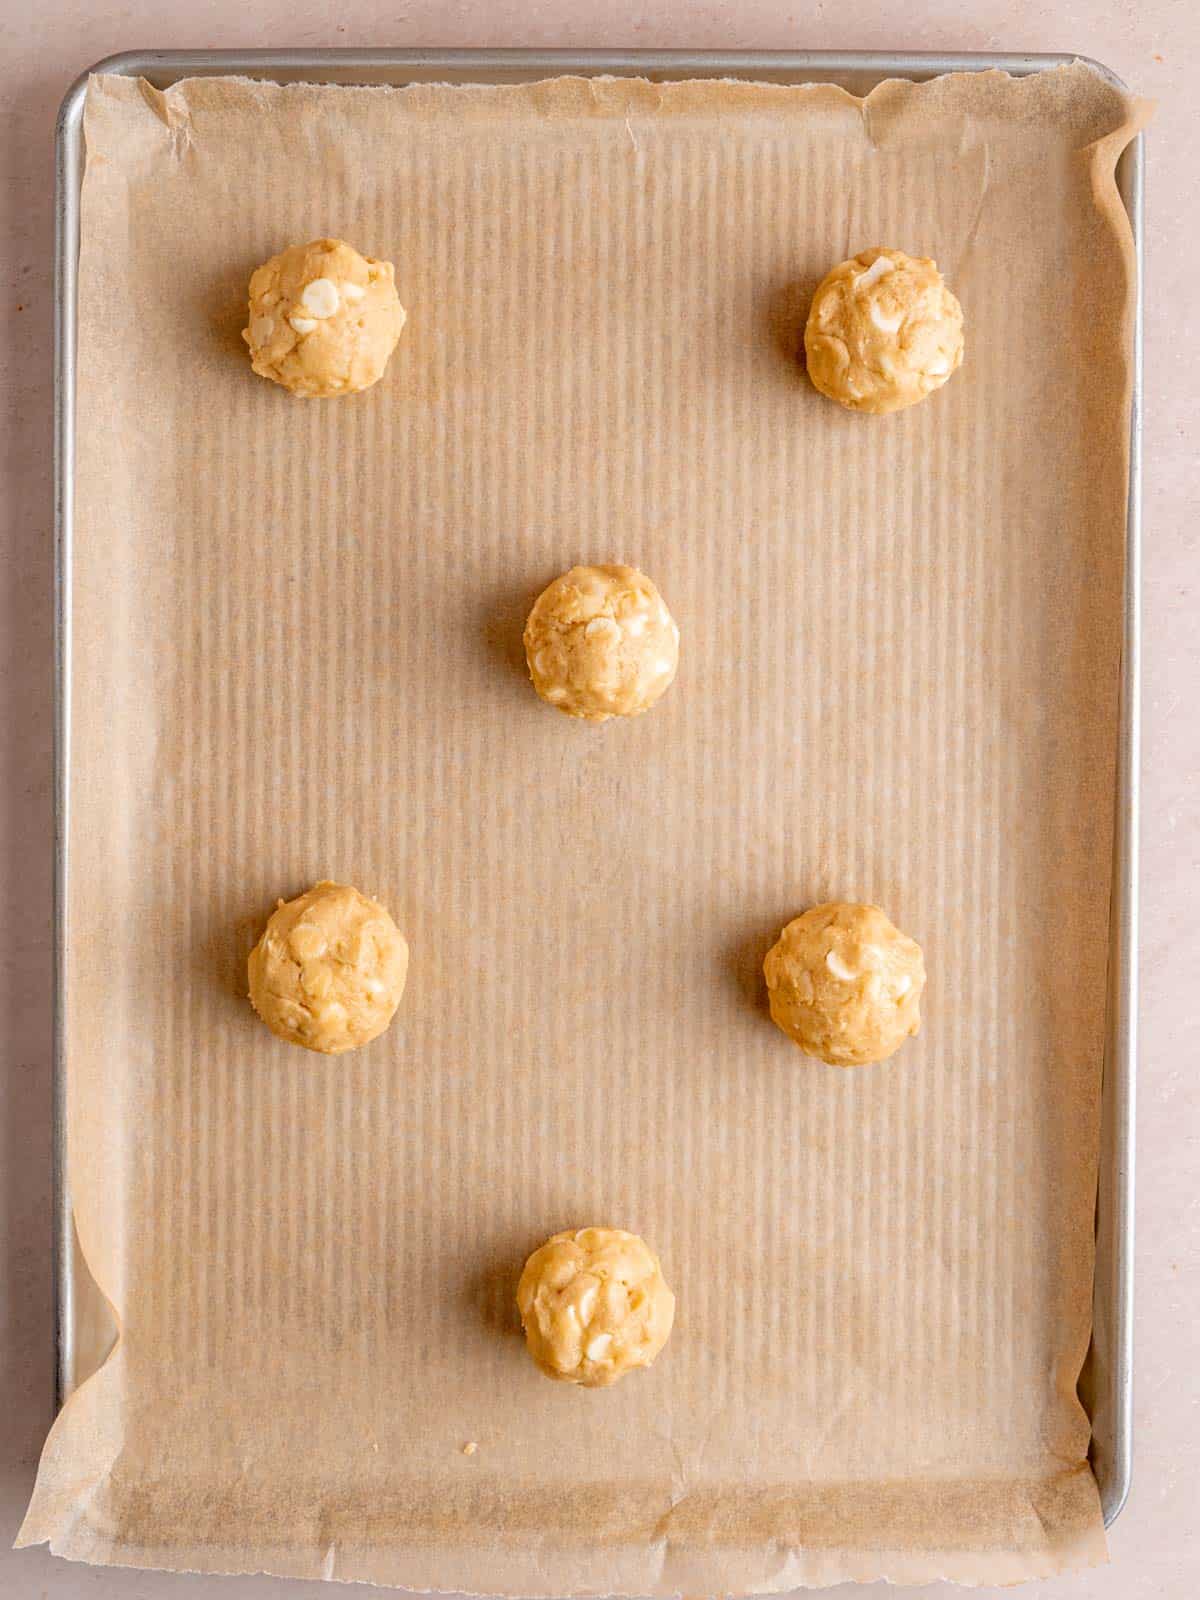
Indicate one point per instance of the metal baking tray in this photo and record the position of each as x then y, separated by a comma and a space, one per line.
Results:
83, 1323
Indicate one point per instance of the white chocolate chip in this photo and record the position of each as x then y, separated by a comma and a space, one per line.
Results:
599, 1347
662, 666
603, 628
616, 1299
302, 324
939, 368
320, 298
308, 941
316, 979
556, 695
293, 1016
261, 329
872, 274
636, 624
885, 323
839, 968
587, 1301
903, 985
353, 292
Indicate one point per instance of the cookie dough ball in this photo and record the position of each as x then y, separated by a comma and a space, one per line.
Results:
323, 319
329, 971
601, 643
845, 984
594, 1305
883, 332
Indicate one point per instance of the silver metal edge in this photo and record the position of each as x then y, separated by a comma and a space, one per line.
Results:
1121, 1085
174, 64
171, 65
68, 164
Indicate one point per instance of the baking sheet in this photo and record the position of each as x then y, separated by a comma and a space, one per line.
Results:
685, 433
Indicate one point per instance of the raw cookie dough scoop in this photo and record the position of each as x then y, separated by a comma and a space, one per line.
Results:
883, 332
323, 319
329, 971
594, 1305
845, 984
601, 643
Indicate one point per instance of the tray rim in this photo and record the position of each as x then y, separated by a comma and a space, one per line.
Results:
1113, 1288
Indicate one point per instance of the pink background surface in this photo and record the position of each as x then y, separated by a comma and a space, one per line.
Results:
1155, 46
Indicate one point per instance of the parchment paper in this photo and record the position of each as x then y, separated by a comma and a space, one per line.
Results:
297, 653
